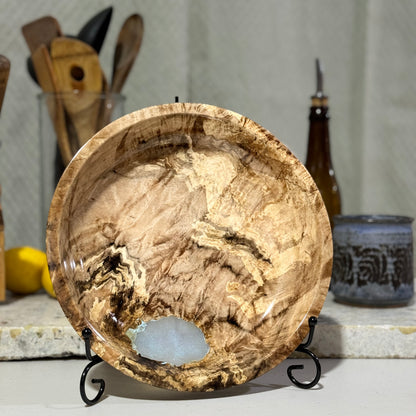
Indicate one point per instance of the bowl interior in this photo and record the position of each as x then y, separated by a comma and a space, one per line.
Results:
197, 213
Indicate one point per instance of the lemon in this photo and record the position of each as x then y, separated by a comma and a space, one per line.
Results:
47, 282
24, 266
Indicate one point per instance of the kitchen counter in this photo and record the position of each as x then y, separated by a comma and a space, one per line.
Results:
35, 327
348, 387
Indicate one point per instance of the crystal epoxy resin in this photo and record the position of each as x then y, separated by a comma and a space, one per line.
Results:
192, 243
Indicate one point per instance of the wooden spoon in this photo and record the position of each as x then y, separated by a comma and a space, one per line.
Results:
47, 80
127, 47
78, 73
4, 76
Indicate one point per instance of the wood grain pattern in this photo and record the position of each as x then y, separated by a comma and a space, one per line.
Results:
4, 77
127, 47
41, 32
79, 73
46, 77
193, 211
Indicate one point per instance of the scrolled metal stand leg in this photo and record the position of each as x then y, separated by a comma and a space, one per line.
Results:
86, 334
304, 349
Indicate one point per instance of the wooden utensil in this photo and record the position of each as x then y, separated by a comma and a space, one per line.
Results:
79, 78
94, 31
4, 76
2, 265
41, 31
47, 80
127, 47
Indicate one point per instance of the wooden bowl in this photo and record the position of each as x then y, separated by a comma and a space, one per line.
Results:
196, 212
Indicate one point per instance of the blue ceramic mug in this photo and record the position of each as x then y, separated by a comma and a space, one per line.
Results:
373, 260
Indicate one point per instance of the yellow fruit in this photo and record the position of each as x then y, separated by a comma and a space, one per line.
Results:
24, 267
47, 282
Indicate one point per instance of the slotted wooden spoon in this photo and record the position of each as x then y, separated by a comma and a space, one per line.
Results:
127, 47
79, 78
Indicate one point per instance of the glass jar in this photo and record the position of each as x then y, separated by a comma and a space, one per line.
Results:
66, 122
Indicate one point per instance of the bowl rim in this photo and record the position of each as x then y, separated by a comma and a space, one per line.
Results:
121, 126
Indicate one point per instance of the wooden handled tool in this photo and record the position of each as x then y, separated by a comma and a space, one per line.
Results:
78, 72
47, 80
4, 76
2, 265
41, 32
127, 47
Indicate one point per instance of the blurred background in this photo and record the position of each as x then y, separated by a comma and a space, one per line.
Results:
256, 58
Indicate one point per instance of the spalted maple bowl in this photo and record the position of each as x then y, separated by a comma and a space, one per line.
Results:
195, 212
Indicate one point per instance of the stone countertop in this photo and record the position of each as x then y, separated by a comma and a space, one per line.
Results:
35, 327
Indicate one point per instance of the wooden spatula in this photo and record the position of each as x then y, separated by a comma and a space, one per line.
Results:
79, 73
41, 32
47, 80
4, 76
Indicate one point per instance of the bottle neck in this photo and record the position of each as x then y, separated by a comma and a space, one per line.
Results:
319, 151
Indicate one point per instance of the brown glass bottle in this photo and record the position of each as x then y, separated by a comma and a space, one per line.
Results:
318, 160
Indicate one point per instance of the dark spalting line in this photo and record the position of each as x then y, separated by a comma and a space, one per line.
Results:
155, 303
198, 126
151, 150
233, 321
120, 149
112, 266
119, 301
149, 365
247, 244
232, 237
52, 266
236, 273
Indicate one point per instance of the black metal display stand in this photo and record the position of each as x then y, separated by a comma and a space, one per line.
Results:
95, 359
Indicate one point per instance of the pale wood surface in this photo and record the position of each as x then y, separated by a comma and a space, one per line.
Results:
193, 211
